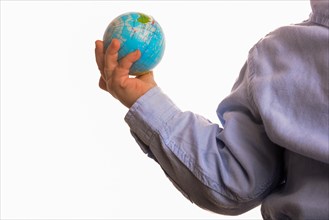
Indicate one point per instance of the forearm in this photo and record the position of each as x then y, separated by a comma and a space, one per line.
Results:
190, 151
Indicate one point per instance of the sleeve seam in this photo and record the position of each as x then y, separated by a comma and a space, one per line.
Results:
250, 86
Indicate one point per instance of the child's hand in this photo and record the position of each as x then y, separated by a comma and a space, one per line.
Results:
114, 74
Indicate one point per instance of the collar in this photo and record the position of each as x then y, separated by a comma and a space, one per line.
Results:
320, 12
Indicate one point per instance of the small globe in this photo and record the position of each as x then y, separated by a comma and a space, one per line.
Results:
137, 31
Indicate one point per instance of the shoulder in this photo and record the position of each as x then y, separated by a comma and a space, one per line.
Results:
277, 42
288, 84
298, 40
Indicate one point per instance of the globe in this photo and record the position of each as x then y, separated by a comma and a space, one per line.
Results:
139, 31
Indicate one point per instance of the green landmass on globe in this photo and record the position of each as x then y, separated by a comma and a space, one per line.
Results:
139, 31
144, 18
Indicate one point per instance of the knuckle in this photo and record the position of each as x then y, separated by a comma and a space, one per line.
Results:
123, 84
119, 84
101, 84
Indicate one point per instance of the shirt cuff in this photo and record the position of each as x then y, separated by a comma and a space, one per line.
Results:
148, 116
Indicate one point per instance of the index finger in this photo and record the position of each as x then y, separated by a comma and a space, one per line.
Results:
99, 54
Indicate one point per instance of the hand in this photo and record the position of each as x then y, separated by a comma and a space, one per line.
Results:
115, 74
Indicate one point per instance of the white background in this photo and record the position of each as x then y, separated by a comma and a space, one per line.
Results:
66, 152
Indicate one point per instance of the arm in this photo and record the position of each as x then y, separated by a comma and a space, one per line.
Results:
226, 170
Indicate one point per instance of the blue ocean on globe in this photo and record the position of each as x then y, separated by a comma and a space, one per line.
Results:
137, 31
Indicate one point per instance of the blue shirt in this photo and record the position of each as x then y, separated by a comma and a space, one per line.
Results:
272, 145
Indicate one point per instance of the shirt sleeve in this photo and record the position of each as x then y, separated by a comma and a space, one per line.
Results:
226, 170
